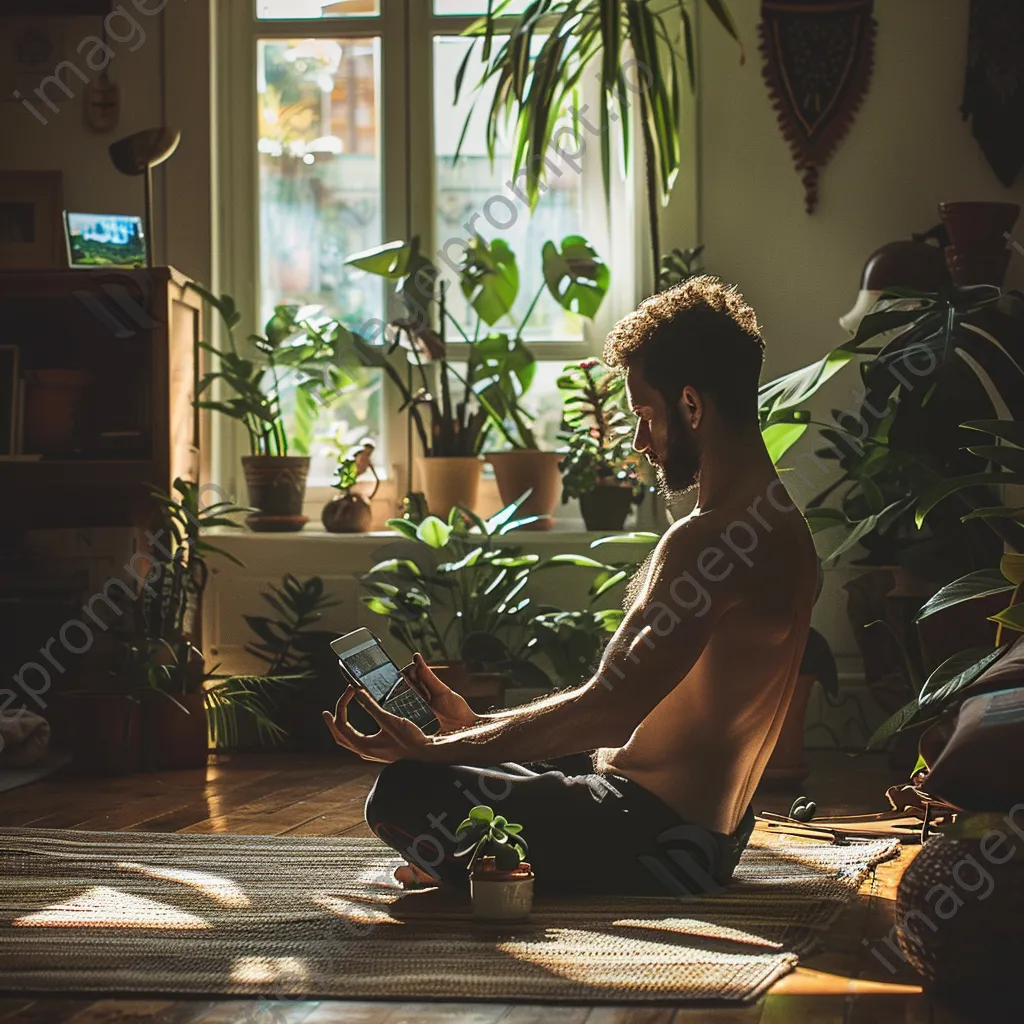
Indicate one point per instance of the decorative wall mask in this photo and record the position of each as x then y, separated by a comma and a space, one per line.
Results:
817, 64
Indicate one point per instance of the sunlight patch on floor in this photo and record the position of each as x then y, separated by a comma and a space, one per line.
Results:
103, 907
224, 891
262, 970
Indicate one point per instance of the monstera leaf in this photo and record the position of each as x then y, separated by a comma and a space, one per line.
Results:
489, 278
576, 276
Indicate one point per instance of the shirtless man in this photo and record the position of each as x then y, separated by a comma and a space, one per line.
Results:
671, 735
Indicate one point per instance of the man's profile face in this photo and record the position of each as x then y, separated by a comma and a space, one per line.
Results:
662, 435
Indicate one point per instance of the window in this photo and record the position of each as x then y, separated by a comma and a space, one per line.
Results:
338, 132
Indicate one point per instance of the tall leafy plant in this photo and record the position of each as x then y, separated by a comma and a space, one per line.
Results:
533, 64
297, 349
951, 682
926, 362
159, 652
454, 411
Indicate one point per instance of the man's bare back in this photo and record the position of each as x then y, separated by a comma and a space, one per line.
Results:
704, 746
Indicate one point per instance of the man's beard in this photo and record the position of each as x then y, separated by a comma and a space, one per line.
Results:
677, 472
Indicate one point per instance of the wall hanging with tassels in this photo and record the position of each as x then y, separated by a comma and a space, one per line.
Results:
817, 64
994, 84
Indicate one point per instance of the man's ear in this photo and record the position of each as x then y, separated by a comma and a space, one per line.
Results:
691, 406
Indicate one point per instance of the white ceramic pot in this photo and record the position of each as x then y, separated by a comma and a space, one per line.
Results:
501, 899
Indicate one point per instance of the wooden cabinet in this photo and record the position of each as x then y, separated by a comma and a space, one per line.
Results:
110, 361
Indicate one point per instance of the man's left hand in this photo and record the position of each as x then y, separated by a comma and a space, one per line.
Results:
397, 740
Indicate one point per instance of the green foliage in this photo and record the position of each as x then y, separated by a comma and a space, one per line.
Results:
454, 415
599, 431
533, 63
159, 655
166, 610
927, 363
486, 834
679, 265
295, 346
460, 594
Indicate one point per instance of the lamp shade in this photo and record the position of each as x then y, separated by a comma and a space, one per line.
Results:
138, 153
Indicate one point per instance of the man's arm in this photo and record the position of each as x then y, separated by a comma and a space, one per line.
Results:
659, 641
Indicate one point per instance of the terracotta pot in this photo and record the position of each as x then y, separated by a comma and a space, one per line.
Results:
174, 739
102, 730
526, 469
978, 253
605, 507
787, 765
347, 513
447, 481
277, 488
501, 895
53, 410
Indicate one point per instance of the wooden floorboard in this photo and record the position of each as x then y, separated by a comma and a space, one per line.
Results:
306, 796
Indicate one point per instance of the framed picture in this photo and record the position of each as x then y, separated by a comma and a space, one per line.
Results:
8, 399
31, 228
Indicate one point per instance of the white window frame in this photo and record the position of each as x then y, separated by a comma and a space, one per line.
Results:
406, 29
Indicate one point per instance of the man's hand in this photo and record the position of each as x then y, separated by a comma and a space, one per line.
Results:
398, 738
451, 710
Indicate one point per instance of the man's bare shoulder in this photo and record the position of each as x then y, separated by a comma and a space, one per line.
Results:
734, 550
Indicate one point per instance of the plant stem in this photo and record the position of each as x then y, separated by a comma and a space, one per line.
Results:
529, 312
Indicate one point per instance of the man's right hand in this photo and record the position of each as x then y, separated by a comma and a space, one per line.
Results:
451, 710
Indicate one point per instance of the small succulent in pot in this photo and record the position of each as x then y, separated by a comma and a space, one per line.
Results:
500, 878
350, 512
598, 467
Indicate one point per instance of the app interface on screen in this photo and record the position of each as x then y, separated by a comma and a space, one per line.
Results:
372, 667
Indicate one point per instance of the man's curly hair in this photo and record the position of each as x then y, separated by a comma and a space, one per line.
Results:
699, 332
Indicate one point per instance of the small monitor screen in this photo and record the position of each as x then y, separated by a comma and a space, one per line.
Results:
372, 667
105, 240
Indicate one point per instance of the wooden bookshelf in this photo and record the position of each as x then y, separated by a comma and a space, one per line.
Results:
132, 337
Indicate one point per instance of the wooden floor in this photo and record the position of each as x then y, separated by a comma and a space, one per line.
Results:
291, 795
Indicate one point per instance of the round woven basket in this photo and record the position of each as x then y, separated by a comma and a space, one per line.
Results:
959, 914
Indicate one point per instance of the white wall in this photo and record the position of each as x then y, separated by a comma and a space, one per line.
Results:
91, 184
906, 150
163, 70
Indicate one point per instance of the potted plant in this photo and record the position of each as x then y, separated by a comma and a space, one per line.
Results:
928, 361
533, 62
454, 413
598, 468
183, 705
500, 878
457, 597
992, 593
350, 512
294, 350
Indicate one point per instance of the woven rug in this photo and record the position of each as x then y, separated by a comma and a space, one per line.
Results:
253, 916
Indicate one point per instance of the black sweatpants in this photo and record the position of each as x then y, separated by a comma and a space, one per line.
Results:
587, 832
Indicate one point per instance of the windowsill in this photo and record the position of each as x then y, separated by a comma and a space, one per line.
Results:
563, 532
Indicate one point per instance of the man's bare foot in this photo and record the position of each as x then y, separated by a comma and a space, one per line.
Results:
409, 876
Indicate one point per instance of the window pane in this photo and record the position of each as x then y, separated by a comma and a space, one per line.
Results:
463, 191
296, 9
357, 415
472, 7
320, 194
